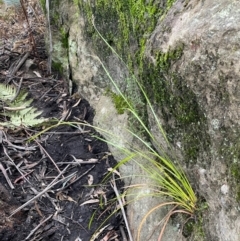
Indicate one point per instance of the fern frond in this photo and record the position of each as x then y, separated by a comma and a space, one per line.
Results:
7, 92
24, 116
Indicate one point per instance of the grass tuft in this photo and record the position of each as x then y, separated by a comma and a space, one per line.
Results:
167, 174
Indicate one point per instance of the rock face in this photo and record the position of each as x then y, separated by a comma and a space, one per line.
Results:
186, 54
209, 67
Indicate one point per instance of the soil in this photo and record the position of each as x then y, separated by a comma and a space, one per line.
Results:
62, 177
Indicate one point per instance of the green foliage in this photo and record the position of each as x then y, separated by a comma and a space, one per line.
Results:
119, 102
124, 34
57, 66
166, 173
129, 23
43, 5
235, 174
178, 104
64, 37
194, 228
18, 111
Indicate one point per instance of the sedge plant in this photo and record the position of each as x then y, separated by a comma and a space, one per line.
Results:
167, 174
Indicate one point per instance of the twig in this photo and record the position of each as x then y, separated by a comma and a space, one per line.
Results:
124, 237
41, 147
12, 161
113, 184
31, 148
53, 183
50, 38
37, 227
1, 166
6, 176
78, 178
19, 178
18, 90
19, 64
29, 28
80, 161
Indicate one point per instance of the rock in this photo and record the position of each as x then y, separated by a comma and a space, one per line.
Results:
224, 189
189, 66
209, 68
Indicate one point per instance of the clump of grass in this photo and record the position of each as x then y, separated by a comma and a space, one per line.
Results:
168, 176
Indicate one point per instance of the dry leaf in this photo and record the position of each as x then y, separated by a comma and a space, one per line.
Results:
114, 171
62, 197
90, 201
37, 73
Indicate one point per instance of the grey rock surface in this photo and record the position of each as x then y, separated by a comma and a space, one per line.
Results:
210, 68
208, 71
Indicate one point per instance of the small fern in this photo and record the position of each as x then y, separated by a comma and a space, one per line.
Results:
19, 112
7, 92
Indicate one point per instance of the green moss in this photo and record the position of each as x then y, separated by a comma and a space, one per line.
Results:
76, 2
237, 193
43, 5
57, 66
119, 102
64, 38
235, 170
125, 25
170, 3
194, 229
229, 150
178, 104
122, 24
235, 174
172, 96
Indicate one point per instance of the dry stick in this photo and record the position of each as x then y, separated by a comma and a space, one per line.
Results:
23, 175
31, 148
41, 147
6, 176
113, 184
80, 161
18, 90
19, 178
29, 29
54, 163
19, 64
50, 38
53, 183
37, 227
124, 237
78, 178
1, 166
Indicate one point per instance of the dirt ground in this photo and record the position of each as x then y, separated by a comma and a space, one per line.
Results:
57, 187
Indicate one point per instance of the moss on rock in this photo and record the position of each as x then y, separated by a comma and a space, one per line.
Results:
184, 119
126, 27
